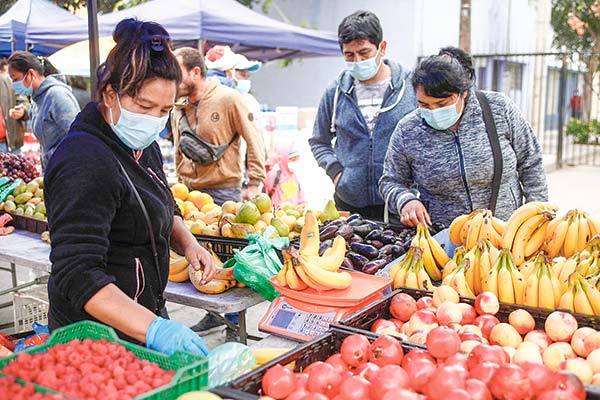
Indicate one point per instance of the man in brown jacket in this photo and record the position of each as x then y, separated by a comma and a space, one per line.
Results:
219, 116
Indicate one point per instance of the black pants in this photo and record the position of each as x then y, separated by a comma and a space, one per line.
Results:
371, 212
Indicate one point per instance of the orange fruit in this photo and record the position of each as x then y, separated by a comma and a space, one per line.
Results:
209, 207
180, 191
200, 199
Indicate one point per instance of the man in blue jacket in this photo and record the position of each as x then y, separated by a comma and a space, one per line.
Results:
360, 109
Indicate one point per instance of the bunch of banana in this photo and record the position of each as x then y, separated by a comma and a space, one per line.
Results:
593, 245
581, 296
457, 279
410, 272
542, 287
467, 229
570, 234
178, 267
479, 261
590, 265
526, 229
505, 280
457, 258
563, 268
434, 256
223, 279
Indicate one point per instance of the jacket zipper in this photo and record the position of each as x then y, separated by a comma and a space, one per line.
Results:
463, 173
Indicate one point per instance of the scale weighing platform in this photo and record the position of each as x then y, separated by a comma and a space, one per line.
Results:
304, 315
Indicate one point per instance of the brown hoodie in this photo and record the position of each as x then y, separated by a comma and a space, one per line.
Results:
220, 114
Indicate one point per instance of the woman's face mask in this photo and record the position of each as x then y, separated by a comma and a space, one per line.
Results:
244, 85
442, 118
364, 70
137, 131
20, 88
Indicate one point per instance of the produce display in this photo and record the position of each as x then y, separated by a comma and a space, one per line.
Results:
380, 369
467, 229
25, 199
17, 167
90, 369
9, 389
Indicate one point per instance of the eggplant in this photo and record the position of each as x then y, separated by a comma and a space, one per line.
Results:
364, 249
336, 222
375, 243
325, 245
356, 222
389, 232
396, 250
356, 239
387, 239
374, 225
353, 217
347, 263
386, 249
358, 261
374, 235
345, 231
373, 266
328, 232
362, 230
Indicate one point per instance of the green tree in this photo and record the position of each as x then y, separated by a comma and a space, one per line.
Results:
576, 25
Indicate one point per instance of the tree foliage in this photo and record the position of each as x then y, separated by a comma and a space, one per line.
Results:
576, 25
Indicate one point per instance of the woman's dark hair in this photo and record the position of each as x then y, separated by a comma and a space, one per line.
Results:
23, 61
360, 25
142, 52
450, 71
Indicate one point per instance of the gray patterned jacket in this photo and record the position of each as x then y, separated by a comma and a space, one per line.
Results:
452, 173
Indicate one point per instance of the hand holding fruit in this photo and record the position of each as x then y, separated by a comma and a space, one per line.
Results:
414, 212
168, 336
201, 260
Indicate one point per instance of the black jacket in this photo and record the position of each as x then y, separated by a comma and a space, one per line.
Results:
97, 226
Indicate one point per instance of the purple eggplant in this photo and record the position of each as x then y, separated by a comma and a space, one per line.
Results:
373, 266
365, 249
388, 232
337, 222
358, 260
347, 263
386, 249
324, 246
345, 231
375, 243
387, 239
374, 225
328, 232
374, 235
356, 239
353, 217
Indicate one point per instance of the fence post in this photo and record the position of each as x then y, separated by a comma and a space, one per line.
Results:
562, 88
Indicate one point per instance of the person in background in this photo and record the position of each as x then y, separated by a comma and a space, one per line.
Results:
443, 150
241, 76
53, 105
219, 116
80, 90
220, 62
575, 104
14, 112
282, 184
112, 215
360, 109
3, 66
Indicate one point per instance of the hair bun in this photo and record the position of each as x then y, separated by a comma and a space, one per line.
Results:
127, 30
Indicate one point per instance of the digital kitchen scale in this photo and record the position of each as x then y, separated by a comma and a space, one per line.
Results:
306, 314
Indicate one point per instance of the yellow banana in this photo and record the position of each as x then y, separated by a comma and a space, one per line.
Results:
594, 267
411, 280
584, 266
523, 235
178, 265
530, 296
264, 355
527, 268
216, 260
309, 236
464, 231
332, 259
484, 268
293, 280
594, 225
280, 277
459, 283
455, 228
568, 269
498, 225
583, 232
308, 280
333, 280
181, 276
474, 229
491, 281
428, 260
518, 284
518, 217
438, 253
400, 278
581, 304
545, 291
570, 245
215, 286
506, 292
536, 240
554, 244
394, 269
226, 274
567, 300
423, 279
494, 254
593, 296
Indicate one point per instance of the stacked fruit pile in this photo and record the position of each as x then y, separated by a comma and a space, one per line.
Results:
10, 389
180, 270
17, 167
305, 268
381, 370
26, 199
562, 345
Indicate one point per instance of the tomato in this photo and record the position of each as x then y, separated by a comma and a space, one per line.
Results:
386, 350
324, 378
355, 350
442, 342
390, 377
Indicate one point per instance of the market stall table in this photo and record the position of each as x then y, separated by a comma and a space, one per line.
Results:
26, 249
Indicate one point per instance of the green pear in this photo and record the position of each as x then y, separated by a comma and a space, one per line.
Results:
329, 213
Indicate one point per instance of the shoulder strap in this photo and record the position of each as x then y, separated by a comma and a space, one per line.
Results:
490, 126
275, 183
185, 124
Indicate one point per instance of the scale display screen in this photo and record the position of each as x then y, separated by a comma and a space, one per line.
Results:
283, 318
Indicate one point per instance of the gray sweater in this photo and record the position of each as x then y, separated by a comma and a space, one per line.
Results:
451, 173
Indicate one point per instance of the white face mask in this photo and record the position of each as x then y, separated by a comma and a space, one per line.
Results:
137, 131
364, 70
244, 85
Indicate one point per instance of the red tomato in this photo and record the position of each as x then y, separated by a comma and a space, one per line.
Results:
386, 350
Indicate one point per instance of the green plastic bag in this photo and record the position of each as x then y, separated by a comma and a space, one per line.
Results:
258, 262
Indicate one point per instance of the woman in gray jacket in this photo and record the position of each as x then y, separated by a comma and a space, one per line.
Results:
440, 162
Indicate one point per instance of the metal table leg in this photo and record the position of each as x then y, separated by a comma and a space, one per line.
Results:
13, 272
242, 328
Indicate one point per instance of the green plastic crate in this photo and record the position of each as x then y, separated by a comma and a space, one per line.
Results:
192, 370
38, 388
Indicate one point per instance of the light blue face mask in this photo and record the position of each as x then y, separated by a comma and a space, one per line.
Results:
364, 70
20, 88
243, 85
441, 118
137, 131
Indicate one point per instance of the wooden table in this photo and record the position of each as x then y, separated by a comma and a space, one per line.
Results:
25, 249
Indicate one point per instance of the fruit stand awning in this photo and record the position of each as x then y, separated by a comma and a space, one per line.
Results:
222, 22
27, 16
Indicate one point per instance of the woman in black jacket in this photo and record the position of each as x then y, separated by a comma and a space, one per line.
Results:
110, 210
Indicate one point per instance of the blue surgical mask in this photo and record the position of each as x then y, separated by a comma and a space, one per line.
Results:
243, 85
137, 131
20, 88
364, 70
441, 118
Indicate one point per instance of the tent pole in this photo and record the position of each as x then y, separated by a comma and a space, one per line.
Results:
92, 9
201, 46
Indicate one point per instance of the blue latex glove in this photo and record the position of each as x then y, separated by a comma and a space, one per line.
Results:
167, 336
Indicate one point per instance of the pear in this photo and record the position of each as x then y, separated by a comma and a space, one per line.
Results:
241, 231
329, 213
280, 226
248, 213
262, 202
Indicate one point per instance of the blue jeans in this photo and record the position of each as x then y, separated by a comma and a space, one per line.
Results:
4, 149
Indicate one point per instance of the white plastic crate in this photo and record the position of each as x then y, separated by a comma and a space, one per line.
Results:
30, 305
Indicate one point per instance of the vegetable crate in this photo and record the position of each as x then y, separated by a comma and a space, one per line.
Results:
249, 386
222, 246
30, 305
28, 224
191, 370
37, 388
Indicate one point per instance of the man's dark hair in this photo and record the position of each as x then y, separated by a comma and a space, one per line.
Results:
361, 25
449, 72
191, 58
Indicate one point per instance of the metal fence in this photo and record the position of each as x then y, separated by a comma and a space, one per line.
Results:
543, 85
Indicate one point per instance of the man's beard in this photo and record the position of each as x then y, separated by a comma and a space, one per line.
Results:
186, 90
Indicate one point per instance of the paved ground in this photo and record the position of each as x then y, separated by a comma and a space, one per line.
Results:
571, 187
